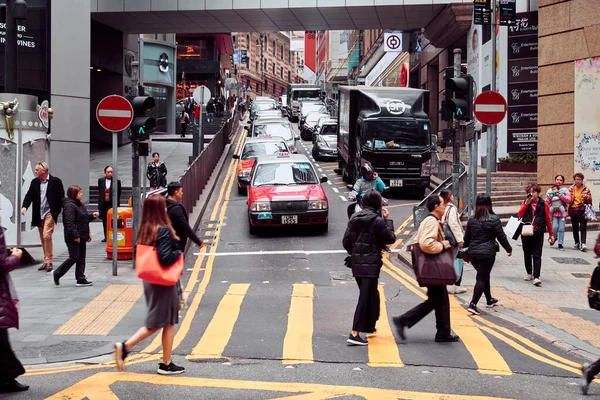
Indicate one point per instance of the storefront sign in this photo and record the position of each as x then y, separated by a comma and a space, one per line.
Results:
507, 10
482, 12
522, 84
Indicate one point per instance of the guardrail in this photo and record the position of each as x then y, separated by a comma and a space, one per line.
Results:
420, 212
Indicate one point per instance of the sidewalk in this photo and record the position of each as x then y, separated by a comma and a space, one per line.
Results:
557, 311
174, 154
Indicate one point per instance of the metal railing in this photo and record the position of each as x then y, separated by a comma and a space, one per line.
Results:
196, 176
420, 211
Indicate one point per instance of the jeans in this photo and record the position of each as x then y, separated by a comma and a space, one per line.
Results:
76, 256
558, 226
532, 250
482, 286
579, 225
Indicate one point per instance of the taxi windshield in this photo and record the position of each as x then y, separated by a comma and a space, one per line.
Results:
282, 130
329, 130
253, 150
264, 106
284, 173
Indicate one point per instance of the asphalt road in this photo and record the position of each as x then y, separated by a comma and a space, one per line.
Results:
274, 325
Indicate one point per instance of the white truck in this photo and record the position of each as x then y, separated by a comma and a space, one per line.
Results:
296, 93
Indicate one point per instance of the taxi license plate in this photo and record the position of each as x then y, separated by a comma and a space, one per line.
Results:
289, 219
396, 182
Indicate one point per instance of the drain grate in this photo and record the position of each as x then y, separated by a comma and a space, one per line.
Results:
580, 275
570, 260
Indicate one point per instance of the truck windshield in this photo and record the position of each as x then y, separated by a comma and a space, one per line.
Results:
383, 134
311, 94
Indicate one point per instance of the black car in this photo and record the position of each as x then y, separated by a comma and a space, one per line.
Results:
325, 147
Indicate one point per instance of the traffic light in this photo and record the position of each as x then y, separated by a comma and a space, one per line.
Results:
447, 110
142, 125
459, 97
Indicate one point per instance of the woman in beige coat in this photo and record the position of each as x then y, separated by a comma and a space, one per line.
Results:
453, 218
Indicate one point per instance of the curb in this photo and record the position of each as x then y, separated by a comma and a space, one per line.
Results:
532, 325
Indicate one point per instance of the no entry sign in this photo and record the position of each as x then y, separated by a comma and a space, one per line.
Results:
114, 113
490, 108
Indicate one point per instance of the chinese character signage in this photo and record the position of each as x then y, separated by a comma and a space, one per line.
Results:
523, 84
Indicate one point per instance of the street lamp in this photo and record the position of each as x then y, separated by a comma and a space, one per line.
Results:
11, 12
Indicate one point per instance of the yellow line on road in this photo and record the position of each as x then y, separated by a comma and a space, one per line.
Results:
214, 340
98, 387
485, 355
404, 225
401, 205
297, 345
383, 350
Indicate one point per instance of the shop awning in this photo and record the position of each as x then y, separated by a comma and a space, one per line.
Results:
224, 43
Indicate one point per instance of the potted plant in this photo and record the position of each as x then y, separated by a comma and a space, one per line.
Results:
526, 162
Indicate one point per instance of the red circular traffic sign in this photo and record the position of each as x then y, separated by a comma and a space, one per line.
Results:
114, 113
490, 108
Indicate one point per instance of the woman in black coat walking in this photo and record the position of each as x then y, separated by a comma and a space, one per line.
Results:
480, 238
10, 366
366, 235
76, 221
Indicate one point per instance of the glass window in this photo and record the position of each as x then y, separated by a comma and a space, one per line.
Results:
196, 49
285, 173
273, 72
283, 130
281, 72
274, 48
257, 66
274, 89
266, 85
394, 134
289, 76
281, 54
253, 150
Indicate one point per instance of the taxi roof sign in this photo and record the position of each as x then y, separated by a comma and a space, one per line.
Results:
283, 154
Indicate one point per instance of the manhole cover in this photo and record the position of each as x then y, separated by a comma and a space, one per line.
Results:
570, 260
580, 275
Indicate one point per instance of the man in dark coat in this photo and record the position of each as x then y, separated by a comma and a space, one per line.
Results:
179, 217
105, 193
10, 366
156, 172
45, 194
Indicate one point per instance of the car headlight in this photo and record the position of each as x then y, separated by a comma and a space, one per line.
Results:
244, 173
318, 144
260, 206
426, 168
317, 204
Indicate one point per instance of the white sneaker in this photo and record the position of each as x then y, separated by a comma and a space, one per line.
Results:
451, 289
528, 278
583, 247
460, 289
537, 282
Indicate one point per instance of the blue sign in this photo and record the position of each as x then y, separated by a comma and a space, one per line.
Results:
244, 57
235, 57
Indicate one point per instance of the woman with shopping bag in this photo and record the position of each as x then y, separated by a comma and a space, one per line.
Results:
159, 262
535, 215
480, 238
453, 231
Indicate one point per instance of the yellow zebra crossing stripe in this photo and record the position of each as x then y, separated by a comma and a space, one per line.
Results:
297, 345
219, 330
383, 350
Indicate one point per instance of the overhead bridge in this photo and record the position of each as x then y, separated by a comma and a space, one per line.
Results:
223, 16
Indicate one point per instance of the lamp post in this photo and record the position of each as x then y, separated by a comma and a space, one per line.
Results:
11, 12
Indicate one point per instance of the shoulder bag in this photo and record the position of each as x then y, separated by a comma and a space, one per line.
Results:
448, 234
527, 229
433, 269
149, 270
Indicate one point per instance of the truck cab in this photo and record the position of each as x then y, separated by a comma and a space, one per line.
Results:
389, 129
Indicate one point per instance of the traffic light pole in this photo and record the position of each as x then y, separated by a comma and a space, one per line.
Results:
135, 167
456, 141
492, 130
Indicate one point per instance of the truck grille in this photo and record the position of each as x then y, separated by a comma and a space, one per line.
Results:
296, 205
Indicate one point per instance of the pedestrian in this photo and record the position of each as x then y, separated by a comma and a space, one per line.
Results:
156, 172
76, 223
430, 238
558, 198
480, 238
10, 366
452, 218
589, 371
179, 217
210, 111
580, 196
105, 195
536, 212
162, 302
184, 120
196, 113
45, 195
365, 237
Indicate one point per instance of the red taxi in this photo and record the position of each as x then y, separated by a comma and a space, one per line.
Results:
285, 190
254, 147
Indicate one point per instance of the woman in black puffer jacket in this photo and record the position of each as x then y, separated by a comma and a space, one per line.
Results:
76, 221
366, 235
480, 239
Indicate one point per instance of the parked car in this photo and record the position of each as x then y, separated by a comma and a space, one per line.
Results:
325, 147
254, 147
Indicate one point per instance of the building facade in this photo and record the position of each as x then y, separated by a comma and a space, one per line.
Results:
268, 65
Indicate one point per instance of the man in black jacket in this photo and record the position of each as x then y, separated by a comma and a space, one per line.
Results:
179, 217
45, 194
105, 193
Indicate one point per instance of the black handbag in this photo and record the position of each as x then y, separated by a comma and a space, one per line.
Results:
448, 234
433, 269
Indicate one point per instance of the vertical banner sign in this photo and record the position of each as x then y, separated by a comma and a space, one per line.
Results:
482, 12
587, 125
523, 84
507, 12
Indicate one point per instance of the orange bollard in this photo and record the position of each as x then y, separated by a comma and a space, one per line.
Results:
124, 234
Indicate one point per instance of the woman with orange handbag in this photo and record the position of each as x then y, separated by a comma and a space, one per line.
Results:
162, 301
534, 212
